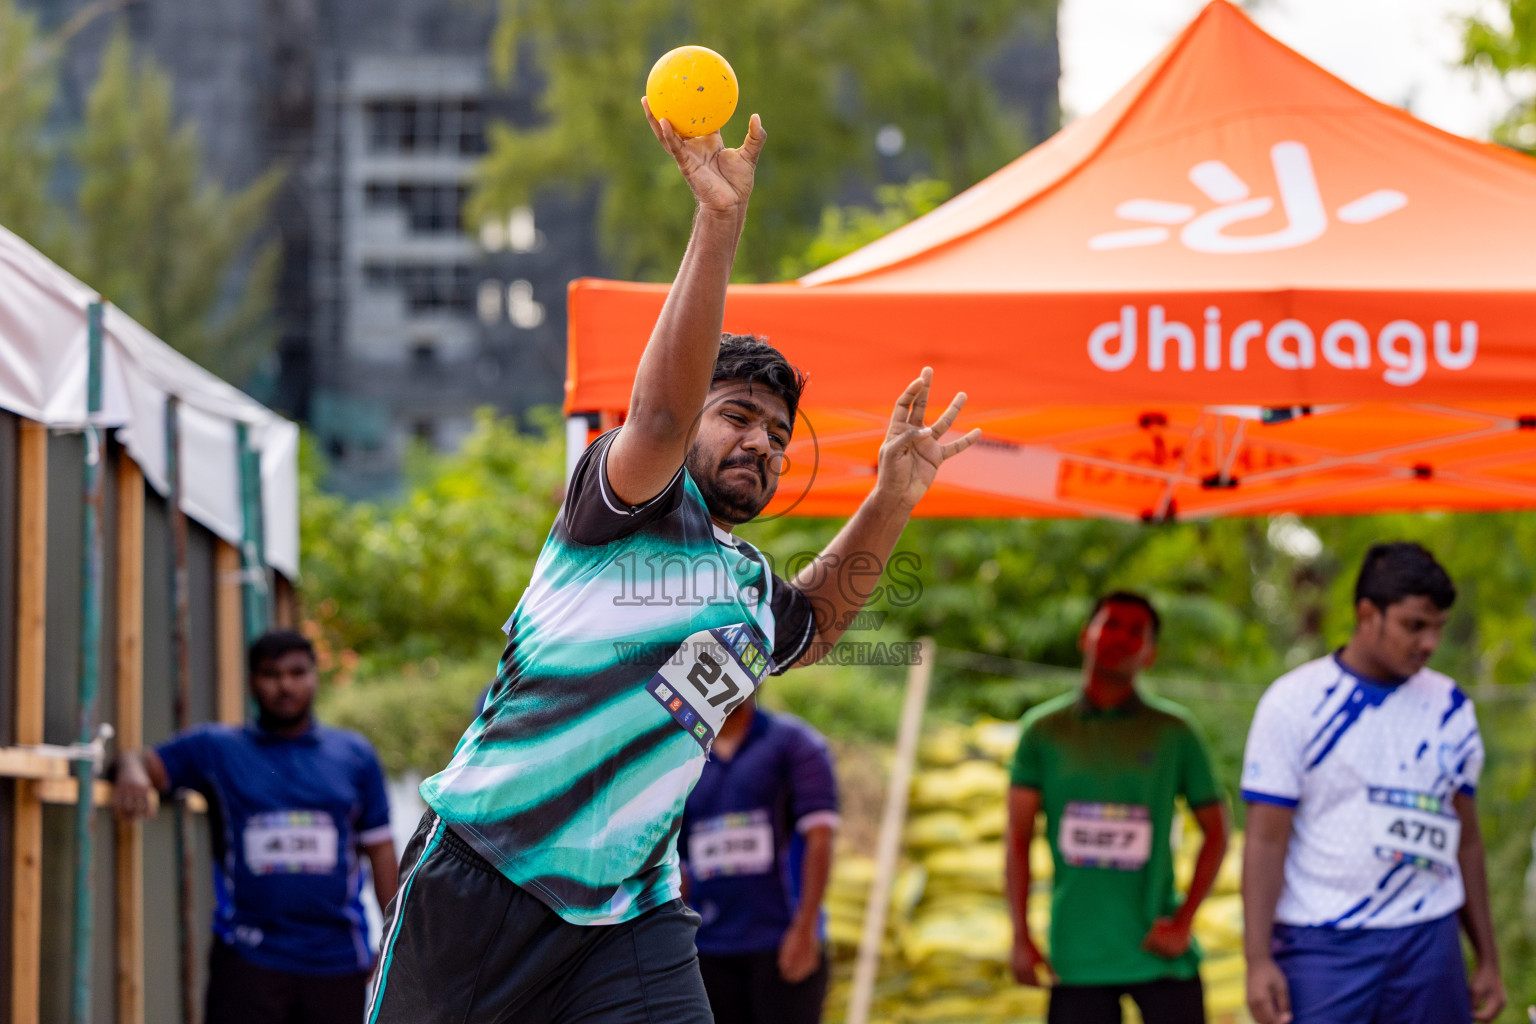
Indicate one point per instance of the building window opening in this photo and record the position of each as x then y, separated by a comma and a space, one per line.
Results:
493, 236
523, 234
425, 126
522, 310
428, 287
489, 302
429, 209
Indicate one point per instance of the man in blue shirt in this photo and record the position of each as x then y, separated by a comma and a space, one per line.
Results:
291, 804
756, 847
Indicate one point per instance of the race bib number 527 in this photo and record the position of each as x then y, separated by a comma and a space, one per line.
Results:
1113, 836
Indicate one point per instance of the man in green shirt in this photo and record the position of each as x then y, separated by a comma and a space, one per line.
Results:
1105, 764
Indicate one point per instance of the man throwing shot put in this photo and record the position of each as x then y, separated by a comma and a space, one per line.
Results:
1363, 845
543, 883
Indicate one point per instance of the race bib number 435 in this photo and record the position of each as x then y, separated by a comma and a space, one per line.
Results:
713, 672
291, 842
1113, 836
1414, 827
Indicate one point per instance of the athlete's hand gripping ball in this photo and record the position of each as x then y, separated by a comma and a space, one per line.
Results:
694, 89
721, 178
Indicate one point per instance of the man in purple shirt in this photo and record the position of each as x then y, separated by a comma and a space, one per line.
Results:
756, 846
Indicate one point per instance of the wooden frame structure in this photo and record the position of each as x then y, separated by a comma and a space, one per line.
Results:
130, 894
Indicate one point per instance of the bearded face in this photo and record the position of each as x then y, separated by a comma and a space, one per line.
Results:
736, 457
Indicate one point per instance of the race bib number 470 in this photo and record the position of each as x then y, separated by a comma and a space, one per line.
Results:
291, 842
1418, 828
1113, 836
713, 672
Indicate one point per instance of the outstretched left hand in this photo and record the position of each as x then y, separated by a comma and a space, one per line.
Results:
911, 453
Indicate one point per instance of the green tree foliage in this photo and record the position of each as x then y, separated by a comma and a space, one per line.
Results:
435, 573
845, 229
413, 714
25, 95
824, 76
156, 238
174, 251
1509, 51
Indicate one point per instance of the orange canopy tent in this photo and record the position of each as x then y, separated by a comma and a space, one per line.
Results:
1240, 287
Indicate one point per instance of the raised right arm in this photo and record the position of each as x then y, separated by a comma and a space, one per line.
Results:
672, 380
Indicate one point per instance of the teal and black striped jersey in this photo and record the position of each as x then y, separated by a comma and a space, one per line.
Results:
573, 778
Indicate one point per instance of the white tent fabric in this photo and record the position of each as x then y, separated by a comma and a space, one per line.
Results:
43, 358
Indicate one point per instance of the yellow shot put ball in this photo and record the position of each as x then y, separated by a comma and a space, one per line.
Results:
694, 88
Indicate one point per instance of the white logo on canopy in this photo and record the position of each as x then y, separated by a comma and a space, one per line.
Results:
1300, 198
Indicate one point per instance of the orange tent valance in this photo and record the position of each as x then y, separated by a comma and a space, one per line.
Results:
1241, 287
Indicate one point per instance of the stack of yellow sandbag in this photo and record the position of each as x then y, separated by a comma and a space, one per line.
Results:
945, 957
847, 892
1218, 925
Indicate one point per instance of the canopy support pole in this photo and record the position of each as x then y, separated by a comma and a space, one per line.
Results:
867, 966
130, 735
181, 674
31, 644
90, 675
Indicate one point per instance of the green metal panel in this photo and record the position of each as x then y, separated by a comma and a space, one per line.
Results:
57, 981
90, 671
255, 591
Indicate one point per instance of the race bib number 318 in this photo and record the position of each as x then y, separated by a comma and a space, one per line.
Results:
1113, 836
291, 842
732, 844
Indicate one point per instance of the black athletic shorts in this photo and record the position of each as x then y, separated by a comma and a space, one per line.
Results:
239, 992
748, 989
1168, 1001
462, 943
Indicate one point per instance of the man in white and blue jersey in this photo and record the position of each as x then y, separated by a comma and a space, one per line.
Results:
543, 883
295, 809
1363, 849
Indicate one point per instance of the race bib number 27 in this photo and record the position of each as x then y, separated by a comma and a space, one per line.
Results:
711, 674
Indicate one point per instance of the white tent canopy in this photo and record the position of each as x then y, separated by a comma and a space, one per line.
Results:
43, 357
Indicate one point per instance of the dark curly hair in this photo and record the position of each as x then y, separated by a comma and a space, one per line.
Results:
1401, 569
747, 357
273, 645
